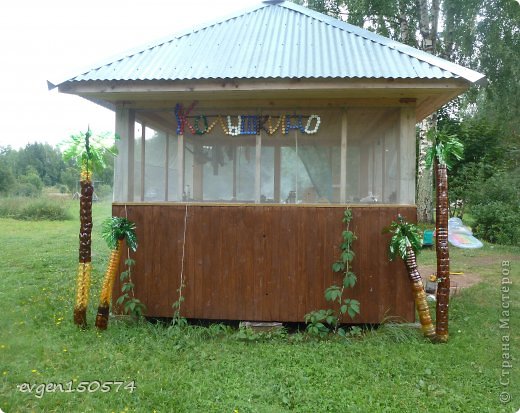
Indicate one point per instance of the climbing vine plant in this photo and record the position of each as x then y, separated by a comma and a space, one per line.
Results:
323, 322
131, 304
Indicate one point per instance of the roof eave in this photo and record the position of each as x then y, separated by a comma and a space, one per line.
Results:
430, 94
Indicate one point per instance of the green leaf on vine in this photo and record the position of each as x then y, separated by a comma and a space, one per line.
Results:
349, 280
338, 266
333, 293
347, 256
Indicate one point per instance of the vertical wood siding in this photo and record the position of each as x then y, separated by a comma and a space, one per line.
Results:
263, 262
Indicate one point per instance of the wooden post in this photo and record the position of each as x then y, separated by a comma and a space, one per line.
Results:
143, 153
384, 175
378, 170
166, 159
198, 174
124, 171
277, 172
180, 166
234, 172
343, 176
406, 189
258, 169
372, 168
364, 169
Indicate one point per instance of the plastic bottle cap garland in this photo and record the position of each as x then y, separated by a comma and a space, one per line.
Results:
234, 130
308, 129
245, 124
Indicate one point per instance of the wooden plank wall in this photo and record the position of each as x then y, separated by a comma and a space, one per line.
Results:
262, 262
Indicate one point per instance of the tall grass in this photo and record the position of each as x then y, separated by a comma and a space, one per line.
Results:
35, 209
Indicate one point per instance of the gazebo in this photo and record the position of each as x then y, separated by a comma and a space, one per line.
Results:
241, 144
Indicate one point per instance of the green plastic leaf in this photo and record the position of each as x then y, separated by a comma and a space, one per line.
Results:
118, 228
404, 234
445, 149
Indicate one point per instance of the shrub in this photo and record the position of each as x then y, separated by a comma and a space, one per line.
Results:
25, 189
497, 222
495, 206
34, 209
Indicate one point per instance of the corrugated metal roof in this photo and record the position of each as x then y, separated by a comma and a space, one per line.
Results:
277, 40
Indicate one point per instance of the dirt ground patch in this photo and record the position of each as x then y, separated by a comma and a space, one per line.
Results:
457, 281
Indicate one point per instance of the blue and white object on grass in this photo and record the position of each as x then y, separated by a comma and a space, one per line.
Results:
461, 236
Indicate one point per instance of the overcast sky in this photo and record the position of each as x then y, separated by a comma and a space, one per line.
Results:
55, 39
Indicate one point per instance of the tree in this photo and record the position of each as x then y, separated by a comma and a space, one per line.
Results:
87, 152
115, 231
330, 7
45, 160
29, 184
444, 149
6, 177
405, 243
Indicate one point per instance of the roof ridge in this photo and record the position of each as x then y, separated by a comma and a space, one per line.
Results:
421, 55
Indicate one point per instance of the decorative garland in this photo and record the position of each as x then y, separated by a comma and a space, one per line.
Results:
245, 124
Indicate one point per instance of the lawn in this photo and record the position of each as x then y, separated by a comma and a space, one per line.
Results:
198, 369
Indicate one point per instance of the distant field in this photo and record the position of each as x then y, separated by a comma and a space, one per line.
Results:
216, 369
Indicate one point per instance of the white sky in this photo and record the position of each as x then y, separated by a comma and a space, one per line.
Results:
55, 39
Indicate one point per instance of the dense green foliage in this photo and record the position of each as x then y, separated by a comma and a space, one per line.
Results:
219, 369
495, 208
25, 172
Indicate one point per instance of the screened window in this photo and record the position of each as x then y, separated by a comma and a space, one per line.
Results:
318, 156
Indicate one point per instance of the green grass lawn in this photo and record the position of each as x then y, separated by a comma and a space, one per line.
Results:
391, 369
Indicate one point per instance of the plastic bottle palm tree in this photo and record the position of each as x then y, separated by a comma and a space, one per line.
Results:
88, 152
405, 243
115, 231
444, 150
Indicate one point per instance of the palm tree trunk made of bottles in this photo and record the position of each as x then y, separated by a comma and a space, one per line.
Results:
85, 254
442, 249
421, 304
108, 286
